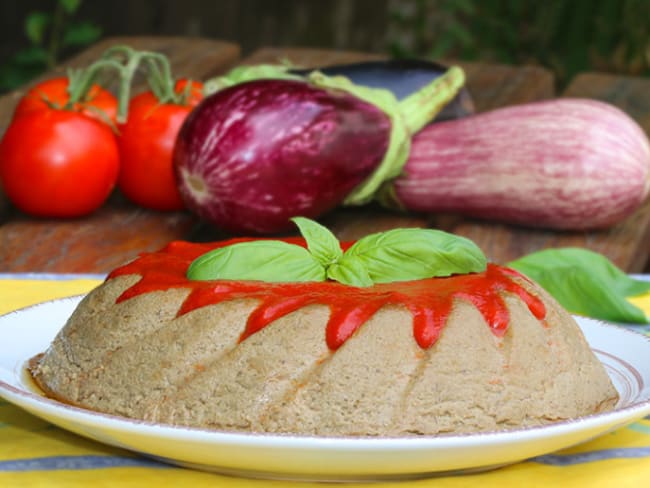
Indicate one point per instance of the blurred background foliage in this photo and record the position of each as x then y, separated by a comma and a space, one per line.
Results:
51, 34
566, 36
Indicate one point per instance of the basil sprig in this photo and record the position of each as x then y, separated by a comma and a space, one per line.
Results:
320, 241
264, 260
406, 254
395, 255
585, 283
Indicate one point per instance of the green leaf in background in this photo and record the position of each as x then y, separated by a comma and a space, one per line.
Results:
81, 34
51, 35
263, 260
322, 244
70, 6
36, 25
24, 66
462, 6
13, 75
566, 36
32, 56
412, 254
585, 283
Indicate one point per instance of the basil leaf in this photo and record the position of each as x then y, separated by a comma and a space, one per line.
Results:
585, 283
413, 254
322, 244
263, 260
350, 272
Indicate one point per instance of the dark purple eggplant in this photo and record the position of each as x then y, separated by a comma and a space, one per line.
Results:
402, 77
253, 154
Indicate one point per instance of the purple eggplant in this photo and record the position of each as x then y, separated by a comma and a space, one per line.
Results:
254, 154
402, 77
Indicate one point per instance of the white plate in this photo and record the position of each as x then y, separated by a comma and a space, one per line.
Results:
28, 332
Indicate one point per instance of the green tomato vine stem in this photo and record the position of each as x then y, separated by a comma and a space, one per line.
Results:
125, 62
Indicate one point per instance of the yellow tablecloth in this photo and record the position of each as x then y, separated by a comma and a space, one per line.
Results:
36, 454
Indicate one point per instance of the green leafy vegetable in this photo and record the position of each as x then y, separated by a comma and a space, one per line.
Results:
411, 254
263, 260
351, 272
396, 255
320, 241
585, 283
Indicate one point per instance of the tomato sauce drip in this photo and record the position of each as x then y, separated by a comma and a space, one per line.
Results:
429, 301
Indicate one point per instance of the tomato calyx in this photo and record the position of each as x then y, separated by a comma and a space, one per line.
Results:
77, 91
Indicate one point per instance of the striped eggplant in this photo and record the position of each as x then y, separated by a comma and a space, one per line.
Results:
562, 164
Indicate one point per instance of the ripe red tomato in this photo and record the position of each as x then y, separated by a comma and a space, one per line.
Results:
58, 163
195, 91
146, 143
98, 103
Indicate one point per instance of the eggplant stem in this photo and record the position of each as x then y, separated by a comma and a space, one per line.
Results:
421, 107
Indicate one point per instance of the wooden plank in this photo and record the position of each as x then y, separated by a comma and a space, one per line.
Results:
628, 93
119, 230
4, 206
621, 243
497, 85
95, 244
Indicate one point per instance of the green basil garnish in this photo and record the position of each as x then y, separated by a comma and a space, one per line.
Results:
585, 283
411, 254
395, 255
263, 260
351, 272
320, 241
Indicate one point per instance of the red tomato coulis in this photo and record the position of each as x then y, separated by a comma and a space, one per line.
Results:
429, 301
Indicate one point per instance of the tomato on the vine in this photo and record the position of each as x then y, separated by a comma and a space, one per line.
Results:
193, 92
53, 93
58, 163
146, 143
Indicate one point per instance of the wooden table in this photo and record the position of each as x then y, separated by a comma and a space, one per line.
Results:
119, 230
